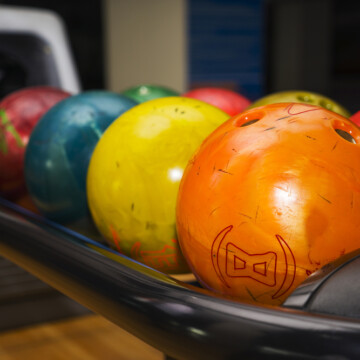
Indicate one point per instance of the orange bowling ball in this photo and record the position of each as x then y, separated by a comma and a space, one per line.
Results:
270, 196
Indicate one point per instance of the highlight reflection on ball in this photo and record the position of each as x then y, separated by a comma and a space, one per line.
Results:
134, 176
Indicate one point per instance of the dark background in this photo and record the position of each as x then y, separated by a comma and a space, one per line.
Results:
309, 45
83, 20
314, 45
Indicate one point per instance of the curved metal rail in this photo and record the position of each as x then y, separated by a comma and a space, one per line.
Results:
183, 321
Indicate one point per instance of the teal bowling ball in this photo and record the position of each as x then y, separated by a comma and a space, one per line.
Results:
59, 151
146, 92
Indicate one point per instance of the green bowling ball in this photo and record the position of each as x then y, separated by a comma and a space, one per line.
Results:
142, 93
302, 97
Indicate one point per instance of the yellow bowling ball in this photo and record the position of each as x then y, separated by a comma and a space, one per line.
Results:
134, 176
305, 97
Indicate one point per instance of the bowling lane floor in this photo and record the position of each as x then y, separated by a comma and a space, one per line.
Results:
89, 337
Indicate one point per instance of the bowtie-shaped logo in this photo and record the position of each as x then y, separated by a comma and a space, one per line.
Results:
260, 267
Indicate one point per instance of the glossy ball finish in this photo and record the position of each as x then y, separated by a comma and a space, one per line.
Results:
305, 97
227, 100
20, 111
145, 92
134, 175
59, 151
271, 196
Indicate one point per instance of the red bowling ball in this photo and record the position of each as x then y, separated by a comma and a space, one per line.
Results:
227, 100
19, 113
356, 118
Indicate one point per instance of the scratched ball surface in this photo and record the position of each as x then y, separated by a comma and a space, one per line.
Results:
305, 97
20, 111
134, 175
271, 196
59, 151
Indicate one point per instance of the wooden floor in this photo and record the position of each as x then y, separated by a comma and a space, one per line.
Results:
89, 337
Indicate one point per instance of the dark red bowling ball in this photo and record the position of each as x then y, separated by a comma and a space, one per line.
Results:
228, 101
356, 118
19, 113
